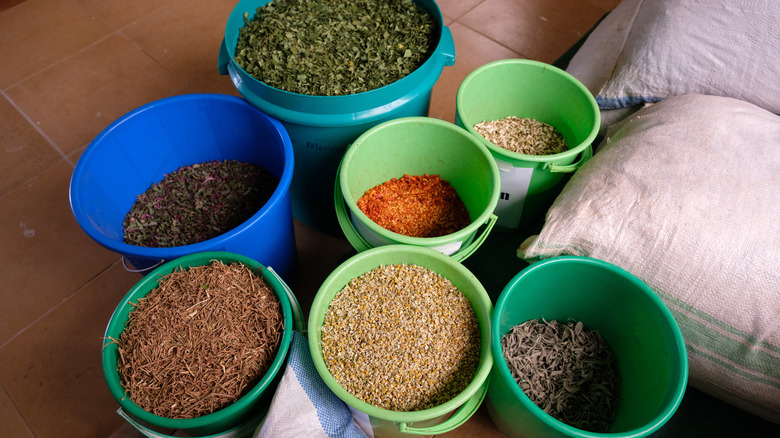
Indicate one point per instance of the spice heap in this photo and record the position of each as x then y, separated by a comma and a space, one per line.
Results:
199, 340
334, 47
566, 370
401, 337
523, 135
198, 202
416, 206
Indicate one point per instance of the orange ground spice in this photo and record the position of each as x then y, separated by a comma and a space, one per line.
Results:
416, 206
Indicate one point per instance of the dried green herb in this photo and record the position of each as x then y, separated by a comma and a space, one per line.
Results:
198, 202
334, 47
566, 370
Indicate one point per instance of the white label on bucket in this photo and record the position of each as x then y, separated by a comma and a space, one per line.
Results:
514, 189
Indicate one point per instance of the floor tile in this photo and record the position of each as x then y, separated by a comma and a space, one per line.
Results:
119, 13
211, 82
532, 28
37, 33
53, 371
13, 425
90, 90
8, 4
319, 254
25, 152
46, 256
472, 49
456, 8
184, 36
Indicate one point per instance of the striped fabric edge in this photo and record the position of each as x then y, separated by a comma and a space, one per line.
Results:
737, 350
334, 415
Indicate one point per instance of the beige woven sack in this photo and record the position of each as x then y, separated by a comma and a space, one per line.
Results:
685, 194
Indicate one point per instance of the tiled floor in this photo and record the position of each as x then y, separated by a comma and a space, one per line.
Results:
70, 67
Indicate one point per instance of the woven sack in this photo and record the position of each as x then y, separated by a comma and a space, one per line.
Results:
685, 194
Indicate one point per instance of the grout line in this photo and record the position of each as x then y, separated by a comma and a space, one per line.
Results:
18, 411
57, 306
37, 128
491, 39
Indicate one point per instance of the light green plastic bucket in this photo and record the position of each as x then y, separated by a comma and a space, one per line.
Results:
321, 127
417, 146
649, 349
529, 89
436, 420
235, 420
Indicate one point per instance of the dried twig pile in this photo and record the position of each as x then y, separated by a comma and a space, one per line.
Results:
199, 340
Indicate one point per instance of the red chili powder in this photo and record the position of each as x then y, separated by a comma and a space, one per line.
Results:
416, 206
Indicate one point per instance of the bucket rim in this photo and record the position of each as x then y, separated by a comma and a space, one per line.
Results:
461, 234
517, 156
502, 369
169, 253
148, 283
322, 301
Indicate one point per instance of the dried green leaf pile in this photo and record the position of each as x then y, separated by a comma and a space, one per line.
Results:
566, 370
198, 202
199, 340
334, 47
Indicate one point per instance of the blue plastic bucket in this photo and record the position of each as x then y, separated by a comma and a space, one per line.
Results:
321, 127
138, 149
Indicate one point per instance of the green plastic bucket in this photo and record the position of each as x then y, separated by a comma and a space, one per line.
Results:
321, 127
232, 419
417, 146
529, 89
431, 421
649, 349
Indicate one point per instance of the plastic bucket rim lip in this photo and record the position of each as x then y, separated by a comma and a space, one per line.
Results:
201, 258
517, 156
282, 188
231, 49
459, 235
484, 366
502, 369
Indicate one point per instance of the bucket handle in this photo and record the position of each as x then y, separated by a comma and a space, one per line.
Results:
359, 243
447, 45
466, 411
127, 268
464, 253
224, 59
296, 308
569, 168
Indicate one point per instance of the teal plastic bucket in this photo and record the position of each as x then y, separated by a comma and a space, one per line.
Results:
321, 127
138, 149
529, 89
418, 146
649, 349
439, 419
235, 417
